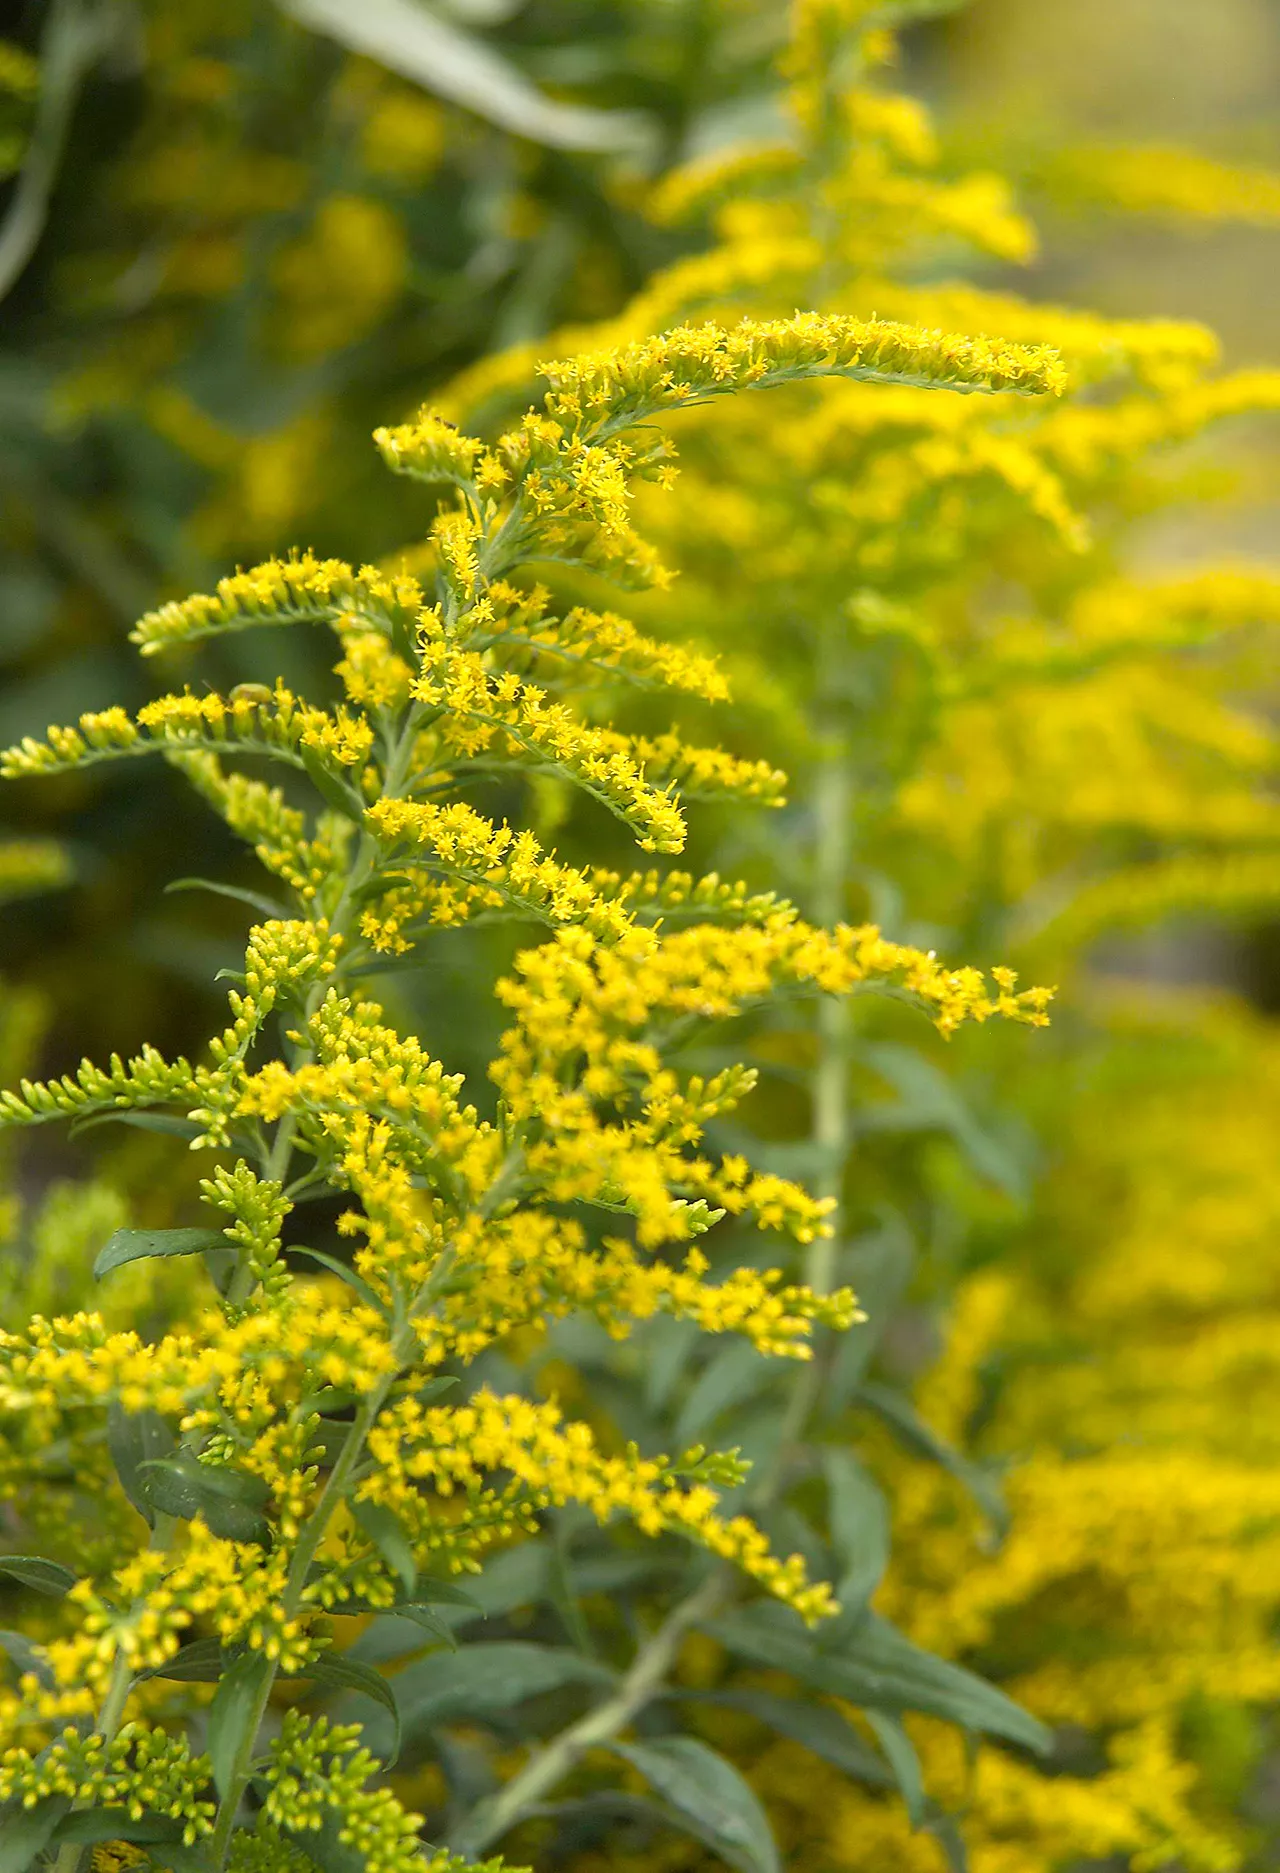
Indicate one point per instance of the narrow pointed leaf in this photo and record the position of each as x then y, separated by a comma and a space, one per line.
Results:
389, 1538
878, 1668
133, 1245
87, 1829
45, 1576
142, 1121
231, 1714
201, 1662
431, 51
337, 1673
429, 1621
26, 1832
902, 1418
135, 1438
710, 1797
329, 787
266, 906
24, 1657
900, 1754
355, 1282
482, 1681
818, 1727
859, 1520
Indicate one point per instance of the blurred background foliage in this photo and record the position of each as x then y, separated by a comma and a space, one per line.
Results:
255, 231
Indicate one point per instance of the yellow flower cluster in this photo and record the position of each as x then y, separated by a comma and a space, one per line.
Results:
452, 1448
283, 1442
252, 720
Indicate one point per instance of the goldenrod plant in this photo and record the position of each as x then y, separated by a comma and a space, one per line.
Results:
304, 1450
1000, 734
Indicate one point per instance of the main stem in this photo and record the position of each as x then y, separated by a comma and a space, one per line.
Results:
540, 1775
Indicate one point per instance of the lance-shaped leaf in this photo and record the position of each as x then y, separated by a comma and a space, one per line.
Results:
480, 1681
819, 1727
45, 1576
389, 1538
230, 1501
429, 50
232, 1714
902, 1418
135, 1438
135, 1245
859, 1518
337, 1673
878, 1668
709, 1796
25, 1832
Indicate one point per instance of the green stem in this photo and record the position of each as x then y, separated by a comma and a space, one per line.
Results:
833, 813
313, 1533
275, 1165
108, 1723
643, 1681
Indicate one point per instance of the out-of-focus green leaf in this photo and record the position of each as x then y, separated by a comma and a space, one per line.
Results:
710, 1797
409, 39
878, 1668
818, 1726
900, 1753
901, 1417
479, 1682
45, 1576
859, 1519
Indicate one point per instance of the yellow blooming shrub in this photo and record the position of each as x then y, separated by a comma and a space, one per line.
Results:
998, 731
289, 1481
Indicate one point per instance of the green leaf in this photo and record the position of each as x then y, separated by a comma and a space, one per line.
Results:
337, 1673
200, 1662
231, 1501
429, 1621
134, 1245
176, 1858
901, 1417
99, 1824
434, 53
354, 1281
878, 1267
900, 1753
711, 1798
135, 1438
731, 1375
233, 1711
818, 1727
432, 1592
24, 1657
26, 1832
388, 1537
930, 1101
480, 1681
45, 1576
859, 1519
331, 790
878, 1668
143, 1121
267, 906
